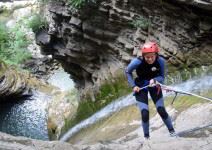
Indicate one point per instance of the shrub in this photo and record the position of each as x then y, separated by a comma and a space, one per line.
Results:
14, 44
4, 38
80, 3
37, 23
141, 22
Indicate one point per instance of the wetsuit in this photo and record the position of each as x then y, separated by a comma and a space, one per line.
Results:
145, 72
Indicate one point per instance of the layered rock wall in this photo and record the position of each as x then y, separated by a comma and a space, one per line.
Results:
16, 83
12, 83
97, 41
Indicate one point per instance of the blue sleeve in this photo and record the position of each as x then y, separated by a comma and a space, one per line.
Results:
161, 76
129, 70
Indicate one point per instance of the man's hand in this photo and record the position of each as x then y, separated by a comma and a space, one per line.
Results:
136, 89
152, 82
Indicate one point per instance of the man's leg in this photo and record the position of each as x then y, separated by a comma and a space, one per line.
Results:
142, 102
158, 100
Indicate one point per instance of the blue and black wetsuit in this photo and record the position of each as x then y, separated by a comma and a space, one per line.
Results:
145, 72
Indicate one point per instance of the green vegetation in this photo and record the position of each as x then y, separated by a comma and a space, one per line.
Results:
5, 16
80, 3
183, 102
14, 41
14, 44
77, 3
74, 3
108, 92
37, 23
141, 22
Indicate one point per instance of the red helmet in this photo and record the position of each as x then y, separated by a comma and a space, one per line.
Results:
150, 47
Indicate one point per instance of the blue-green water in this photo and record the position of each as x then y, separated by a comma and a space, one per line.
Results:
26, 117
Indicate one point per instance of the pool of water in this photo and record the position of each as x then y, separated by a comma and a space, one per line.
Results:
26, 117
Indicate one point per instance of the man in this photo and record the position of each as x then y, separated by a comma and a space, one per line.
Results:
150, 69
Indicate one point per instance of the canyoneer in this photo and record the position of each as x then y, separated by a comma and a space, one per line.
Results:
150, 69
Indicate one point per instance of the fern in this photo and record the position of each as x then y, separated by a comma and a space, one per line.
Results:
37, 22
141, 22
80, 3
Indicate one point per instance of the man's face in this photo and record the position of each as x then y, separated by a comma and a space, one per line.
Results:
150, 57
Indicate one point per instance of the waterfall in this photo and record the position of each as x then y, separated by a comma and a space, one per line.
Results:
61, 79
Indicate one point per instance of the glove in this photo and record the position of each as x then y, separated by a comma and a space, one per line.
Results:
136, 89
153, 82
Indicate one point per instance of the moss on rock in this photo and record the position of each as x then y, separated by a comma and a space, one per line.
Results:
108, 92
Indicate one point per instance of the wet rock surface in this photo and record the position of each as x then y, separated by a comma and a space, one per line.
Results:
160, 139
8, 142
13, 83
42, 68
19, 83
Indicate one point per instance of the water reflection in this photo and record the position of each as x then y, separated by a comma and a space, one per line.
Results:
27, 117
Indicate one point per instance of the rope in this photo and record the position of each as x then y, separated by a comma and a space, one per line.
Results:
183, 92
183, 133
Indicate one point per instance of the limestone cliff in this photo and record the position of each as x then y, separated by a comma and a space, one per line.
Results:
13, 83
16, 83
97, 41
